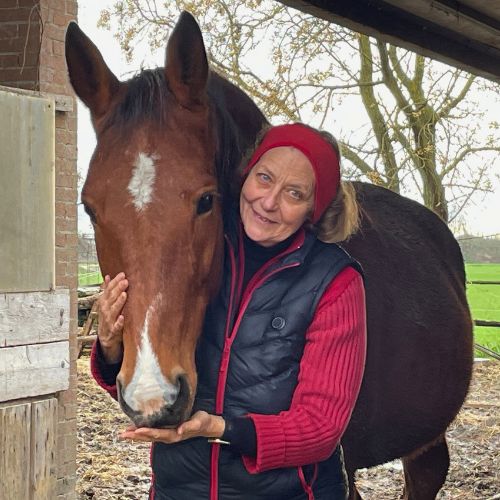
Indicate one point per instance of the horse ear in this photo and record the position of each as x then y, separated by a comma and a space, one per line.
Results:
93, 81
186, 65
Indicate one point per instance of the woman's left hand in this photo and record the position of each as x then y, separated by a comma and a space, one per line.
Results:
201, 424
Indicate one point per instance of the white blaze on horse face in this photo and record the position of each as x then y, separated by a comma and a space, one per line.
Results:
143, 178
148, 391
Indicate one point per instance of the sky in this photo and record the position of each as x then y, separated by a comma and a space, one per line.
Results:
482, 218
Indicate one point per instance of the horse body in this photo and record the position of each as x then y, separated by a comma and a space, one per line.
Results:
193, 127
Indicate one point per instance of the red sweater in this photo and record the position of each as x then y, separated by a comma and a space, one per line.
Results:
330, 376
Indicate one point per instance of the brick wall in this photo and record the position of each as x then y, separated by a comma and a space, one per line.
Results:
32, 57
20, 30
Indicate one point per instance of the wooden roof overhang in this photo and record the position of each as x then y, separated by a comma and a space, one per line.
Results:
464, 33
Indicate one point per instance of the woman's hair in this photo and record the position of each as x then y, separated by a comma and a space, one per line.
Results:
341, 218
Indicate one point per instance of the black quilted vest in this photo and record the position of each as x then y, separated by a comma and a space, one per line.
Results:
260, 360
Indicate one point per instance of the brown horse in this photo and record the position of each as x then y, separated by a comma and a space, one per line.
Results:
168, 142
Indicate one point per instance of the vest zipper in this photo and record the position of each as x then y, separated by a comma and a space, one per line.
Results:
230, 334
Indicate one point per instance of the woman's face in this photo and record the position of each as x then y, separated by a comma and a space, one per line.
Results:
277, 196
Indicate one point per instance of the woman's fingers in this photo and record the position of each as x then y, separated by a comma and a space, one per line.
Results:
118, 326
147, 434
111, 303
116, 286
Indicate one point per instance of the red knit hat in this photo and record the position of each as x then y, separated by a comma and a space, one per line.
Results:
319, 152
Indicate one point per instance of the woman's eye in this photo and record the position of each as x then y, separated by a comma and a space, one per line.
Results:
296, 194
90, 213
205, 203
264, 177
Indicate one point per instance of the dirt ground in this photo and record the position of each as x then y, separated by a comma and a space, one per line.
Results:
112, 469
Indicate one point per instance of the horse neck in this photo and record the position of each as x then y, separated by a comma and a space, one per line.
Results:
247, 119
238, 122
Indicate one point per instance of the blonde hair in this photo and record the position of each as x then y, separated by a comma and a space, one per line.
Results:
341, 218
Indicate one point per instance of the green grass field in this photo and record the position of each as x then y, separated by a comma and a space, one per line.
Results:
89, 274
484, 301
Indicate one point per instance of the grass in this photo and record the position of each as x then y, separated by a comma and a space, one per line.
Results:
89, 274
484, 301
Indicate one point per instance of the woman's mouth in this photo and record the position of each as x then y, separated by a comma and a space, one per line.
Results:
263, 219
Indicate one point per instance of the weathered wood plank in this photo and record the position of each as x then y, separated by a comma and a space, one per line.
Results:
27, 193
15, 451
33, 370
43, 449
34, 317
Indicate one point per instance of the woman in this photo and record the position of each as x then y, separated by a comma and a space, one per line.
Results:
281, 356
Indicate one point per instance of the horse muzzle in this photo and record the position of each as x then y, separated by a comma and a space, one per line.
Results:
155, 409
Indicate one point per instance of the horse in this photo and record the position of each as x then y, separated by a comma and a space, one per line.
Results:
159, 182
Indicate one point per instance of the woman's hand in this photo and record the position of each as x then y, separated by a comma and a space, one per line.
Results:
201, 424
110, 330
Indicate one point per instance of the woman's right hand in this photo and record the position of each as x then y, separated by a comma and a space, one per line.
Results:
110, 330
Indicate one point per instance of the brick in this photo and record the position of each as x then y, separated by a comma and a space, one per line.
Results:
9, 3
20, 84
64, 254
60, 241
70, 412
61, 269
58, 5
9, 61
65, 137
61, 19
68, 181
13, 74
52, 32
15, 14
9, 31
65, 194
65, 210
58, 48
72, 8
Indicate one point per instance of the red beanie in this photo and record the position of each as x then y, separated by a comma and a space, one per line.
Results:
319, 152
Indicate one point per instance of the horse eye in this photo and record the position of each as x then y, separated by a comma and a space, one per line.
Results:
205, 203
91, 214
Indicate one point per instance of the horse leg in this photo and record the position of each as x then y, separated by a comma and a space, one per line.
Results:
425, 470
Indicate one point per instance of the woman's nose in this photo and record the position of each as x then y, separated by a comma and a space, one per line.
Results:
270, 200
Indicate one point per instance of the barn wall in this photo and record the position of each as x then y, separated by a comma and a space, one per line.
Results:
32, 57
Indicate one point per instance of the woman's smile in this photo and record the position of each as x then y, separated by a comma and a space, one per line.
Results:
261, 218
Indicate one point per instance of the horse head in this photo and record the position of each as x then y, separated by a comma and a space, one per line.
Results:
152, 195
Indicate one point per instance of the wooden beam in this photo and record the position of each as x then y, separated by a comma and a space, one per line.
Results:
390, 23
34, 317
33, 370
43, 449
15, 451
62, 103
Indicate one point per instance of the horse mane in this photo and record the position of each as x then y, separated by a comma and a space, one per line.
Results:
145, 99
230, 146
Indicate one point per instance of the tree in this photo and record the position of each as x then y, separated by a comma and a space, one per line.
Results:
424, 131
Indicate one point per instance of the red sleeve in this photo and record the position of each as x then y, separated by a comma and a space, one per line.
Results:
329, 379
96, 368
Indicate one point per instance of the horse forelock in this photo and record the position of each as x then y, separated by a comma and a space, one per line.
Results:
145, 98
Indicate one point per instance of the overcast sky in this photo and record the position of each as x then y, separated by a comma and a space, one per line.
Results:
481, 219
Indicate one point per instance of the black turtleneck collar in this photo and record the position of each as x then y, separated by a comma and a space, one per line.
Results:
256, 255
